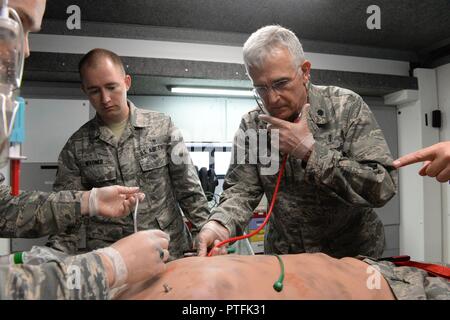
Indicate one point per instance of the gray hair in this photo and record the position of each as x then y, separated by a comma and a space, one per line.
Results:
267, 38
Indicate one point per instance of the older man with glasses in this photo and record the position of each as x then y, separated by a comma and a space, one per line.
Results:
338, 167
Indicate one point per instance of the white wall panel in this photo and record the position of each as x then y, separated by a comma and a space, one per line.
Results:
204, 52
443, 89
48, 125
199, 119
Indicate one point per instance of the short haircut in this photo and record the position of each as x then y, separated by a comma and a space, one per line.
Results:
260, 43
93, 57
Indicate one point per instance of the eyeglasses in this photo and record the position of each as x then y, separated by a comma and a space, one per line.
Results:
259, 102
278, 87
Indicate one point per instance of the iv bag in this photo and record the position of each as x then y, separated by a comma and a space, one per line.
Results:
11, 69
11, 53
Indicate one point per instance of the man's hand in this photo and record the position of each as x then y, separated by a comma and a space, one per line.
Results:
138, 257
295, 138
436, 161
112, 201
210, 235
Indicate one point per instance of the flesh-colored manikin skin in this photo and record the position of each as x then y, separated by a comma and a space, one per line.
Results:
307, 276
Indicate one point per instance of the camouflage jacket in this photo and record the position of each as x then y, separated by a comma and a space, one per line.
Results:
324, 205
150, 154
53, 275
410, 283
36, 214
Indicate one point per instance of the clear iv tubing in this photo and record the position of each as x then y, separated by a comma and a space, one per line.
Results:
13, 116
135, 215
274, 198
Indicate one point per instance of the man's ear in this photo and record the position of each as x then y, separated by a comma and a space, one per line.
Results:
128, 81
306, 69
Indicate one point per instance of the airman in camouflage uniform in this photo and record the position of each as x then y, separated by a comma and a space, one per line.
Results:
338, 163
145, 156
55, 276
324, 205
35, 214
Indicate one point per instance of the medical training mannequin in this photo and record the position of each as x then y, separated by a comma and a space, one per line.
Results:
235, 277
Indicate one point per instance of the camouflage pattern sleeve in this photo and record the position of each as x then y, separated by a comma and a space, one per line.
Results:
68, 176
36, 214
409, 283
362, 174
242, 188
59, 277
187, 187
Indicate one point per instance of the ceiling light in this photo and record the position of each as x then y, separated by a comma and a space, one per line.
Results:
213, 91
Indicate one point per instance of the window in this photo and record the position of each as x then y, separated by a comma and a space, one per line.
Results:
211, 156
221, 162
200, 159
